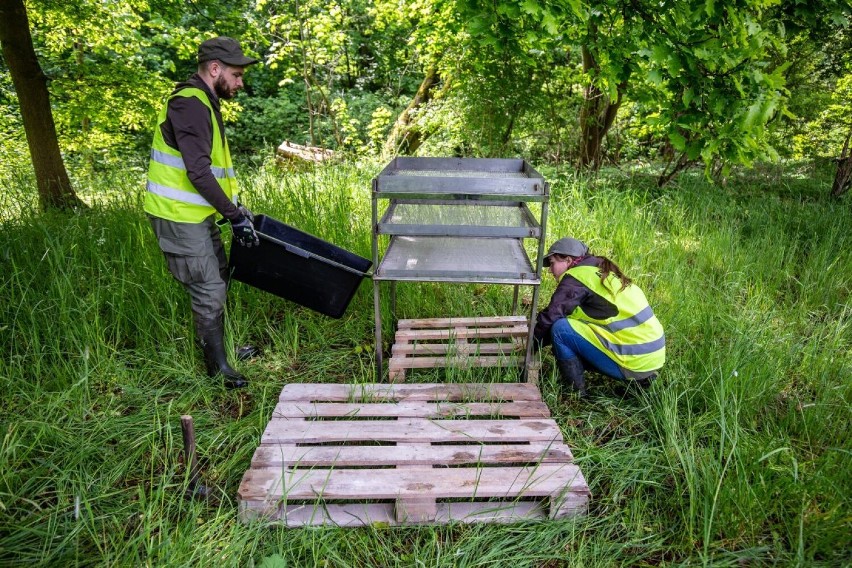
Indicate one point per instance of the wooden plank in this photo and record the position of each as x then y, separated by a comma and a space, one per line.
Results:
416, 349
341, 515
347, 456
461, 362
271, 485
397, 375
461, 333
422, 409
569, 503
322, 392
415, 509
366, 514
295, 431
491, 512
465, 322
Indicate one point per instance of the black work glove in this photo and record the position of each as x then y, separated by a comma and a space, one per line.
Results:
244, 210
244, 232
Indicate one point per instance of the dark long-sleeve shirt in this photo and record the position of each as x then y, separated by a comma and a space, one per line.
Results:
569, 294
189, 130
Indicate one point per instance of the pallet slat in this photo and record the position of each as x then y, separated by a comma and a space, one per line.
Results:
451, 322
461, 333
522, 409
544, 480
290, 455
412, 430
365, 514
506, 348
474, 392
461, 362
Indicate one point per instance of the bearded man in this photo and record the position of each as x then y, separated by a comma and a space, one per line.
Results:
191, 183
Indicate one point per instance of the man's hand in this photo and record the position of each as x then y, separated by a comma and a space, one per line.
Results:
244, 232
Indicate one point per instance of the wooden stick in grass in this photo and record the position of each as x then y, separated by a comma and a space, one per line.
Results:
190, 456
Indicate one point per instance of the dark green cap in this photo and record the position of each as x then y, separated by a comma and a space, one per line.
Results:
225, 49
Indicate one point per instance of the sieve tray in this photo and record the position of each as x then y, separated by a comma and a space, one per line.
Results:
459, 218
461, 178
450, 259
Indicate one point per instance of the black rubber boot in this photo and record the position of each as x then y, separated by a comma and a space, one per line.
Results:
211, 334
645, 383
571, 371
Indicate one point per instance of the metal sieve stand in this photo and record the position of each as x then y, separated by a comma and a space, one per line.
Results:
457, 220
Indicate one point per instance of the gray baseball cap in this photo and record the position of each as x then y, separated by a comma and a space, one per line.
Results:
567, 246
225, 49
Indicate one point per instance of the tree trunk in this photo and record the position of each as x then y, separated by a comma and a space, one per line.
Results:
405, 137
54, 187
596, 116
843, 177
681, 164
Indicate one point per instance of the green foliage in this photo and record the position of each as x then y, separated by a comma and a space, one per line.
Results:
13, 149
720, 88
268, 121
718, 83
110, 65
825, 134
340, 51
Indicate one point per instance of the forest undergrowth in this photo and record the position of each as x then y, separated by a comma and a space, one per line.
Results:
738, 456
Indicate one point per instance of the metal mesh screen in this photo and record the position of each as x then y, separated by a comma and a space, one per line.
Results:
455, 173
455, 214
456, 258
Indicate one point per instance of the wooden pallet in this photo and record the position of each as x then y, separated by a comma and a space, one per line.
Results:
459, 342
352, 455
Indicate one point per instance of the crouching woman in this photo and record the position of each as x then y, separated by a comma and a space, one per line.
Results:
597, 319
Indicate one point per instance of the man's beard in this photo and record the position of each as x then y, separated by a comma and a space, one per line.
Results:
222, 90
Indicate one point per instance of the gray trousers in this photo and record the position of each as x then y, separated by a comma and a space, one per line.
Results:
196, 258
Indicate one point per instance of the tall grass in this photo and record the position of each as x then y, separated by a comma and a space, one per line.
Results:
739, 454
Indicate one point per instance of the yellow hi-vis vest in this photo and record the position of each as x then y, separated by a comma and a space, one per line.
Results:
170, 193
634, 337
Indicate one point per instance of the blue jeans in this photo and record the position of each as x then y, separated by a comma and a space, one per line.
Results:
568, 344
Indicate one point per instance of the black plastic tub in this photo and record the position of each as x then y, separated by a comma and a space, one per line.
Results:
299, 267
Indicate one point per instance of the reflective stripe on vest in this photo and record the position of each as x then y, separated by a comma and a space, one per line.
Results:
634, 337
177, 162
170, 194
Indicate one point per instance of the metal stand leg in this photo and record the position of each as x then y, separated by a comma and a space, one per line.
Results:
528, 360
378, 313
515, 300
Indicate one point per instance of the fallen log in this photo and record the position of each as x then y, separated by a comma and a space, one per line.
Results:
296, 152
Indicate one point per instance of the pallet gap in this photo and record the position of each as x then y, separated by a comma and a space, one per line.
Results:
502, 500
322, 502
348, 418
361, 399
493, 416
296, 468
471, 400
482, 443
346, 443
481, 465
